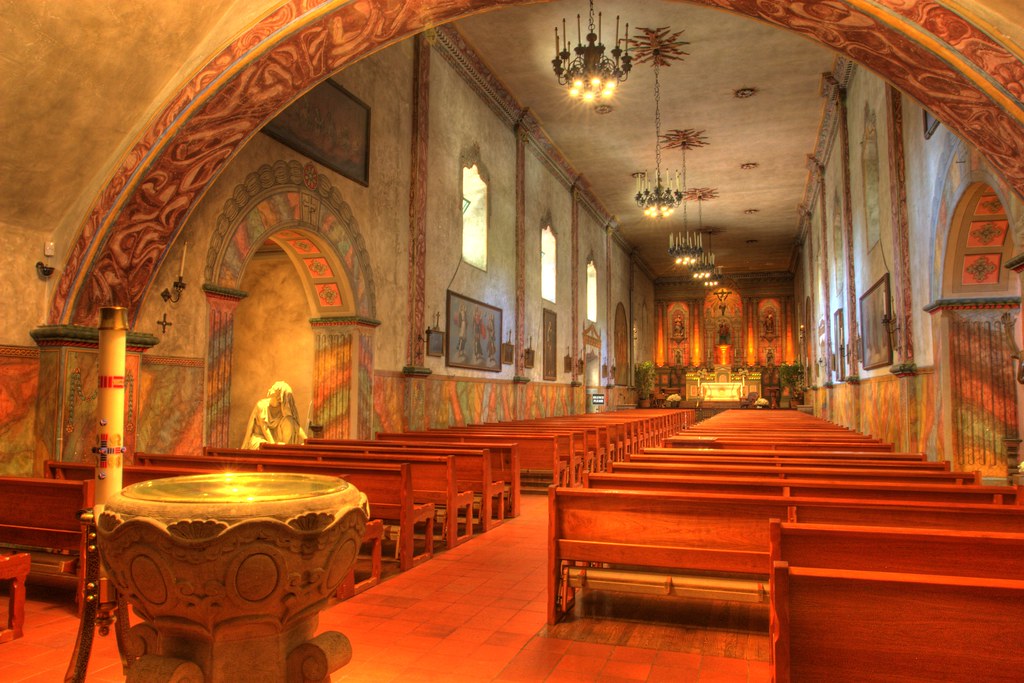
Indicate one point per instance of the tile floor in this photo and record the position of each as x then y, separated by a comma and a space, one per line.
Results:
475, 613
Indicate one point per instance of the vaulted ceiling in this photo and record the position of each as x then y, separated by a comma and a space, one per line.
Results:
755, 216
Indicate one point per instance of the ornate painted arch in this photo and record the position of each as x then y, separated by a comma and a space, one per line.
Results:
301, 212
954, 63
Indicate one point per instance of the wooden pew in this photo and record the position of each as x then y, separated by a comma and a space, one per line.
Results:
434, 476
759, 443
784, 471
388, 488
42, 516
914, 604
878, 489
668, 455
788, 453
668, 537
474, 468
554, 458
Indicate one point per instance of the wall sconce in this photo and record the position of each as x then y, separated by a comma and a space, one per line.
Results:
1008, 320
528, 354
43, 271
892, 327
435, 337
179, 284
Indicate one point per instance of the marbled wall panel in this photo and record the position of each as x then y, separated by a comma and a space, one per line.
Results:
389, 403
19, 382
844, 410
170, 416
882, 409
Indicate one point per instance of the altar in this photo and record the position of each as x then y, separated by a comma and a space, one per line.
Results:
721, 391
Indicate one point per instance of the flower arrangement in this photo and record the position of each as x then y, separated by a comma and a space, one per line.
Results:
761, 403
673, 398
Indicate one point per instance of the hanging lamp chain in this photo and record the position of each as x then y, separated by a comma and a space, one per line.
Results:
657, 125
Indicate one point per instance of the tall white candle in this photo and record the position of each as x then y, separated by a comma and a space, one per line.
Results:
181, 266
113, 329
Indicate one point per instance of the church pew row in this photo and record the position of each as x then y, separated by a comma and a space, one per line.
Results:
472, 470
896, 490
760, 443
41, 516
893, 456
504, 466
592, 439
572, 440
372, 535
434, 477
785, 471
769, 458
916, 605
388, 488
554, 458
663, 539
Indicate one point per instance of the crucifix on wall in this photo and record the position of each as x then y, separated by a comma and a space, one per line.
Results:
722, 295
164, 324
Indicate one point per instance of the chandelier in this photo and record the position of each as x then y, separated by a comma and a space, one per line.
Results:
659, 200
704, 270
686, 247
589, 75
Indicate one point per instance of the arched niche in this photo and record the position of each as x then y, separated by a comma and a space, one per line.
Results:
289, 234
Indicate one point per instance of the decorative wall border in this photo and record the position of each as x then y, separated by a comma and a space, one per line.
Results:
174, 361
18, 351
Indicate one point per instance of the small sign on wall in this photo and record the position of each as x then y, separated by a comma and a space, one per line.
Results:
597, 399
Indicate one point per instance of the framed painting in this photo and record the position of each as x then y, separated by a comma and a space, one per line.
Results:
330, 126
550, 344
874, 308
474, 334
508, 352
435, 342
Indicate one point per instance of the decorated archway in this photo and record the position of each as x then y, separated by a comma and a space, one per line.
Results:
945, 59
305, 218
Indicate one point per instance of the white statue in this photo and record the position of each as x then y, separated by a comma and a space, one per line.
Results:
274, 419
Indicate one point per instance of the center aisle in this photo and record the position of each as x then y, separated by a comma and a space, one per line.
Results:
477, 613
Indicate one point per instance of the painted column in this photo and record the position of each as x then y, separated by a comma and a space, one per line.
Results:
343, 377
903, 298
418, 202
825, 277
221, 304
853, 329
519, 410
574, 273
110, 449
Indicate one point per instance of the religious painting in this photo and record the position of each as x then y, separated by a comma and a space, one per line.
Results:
874, 308
677, 342
330, 126
435, 343
508, 351
474, 334
550, 344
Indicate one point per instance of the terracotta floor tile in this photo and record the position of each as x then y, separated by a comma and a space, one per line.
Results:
634, 671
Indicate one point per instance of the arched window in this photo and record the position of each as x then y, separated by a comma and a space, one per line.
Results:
474, 218
548, 263
591, 291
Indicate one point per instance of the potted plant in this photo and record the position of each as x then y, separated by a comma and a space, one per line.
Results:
643, 379
791, 377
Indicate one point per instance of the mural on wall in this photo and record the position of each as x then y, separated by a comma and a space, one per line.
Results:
19, 382
620, 361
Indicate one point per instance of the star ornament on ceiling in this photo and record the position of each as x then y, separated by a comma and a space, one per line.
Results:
701, 194
684, 139
658, 46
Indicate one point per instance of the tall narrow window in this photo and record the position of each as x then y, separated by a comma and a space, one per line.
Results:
591, 291
474, 218
547, 264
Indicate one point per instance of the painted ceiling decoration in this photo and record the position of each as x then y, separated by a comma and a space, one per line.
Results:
944, 59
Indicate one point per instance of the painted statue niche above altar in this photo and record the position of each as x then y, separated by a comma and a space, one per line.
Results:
677, 338
768, 331
723, 324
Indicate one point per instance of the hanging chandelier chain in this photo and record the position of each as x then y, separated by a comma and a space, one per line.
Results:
590, 23
657, 126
